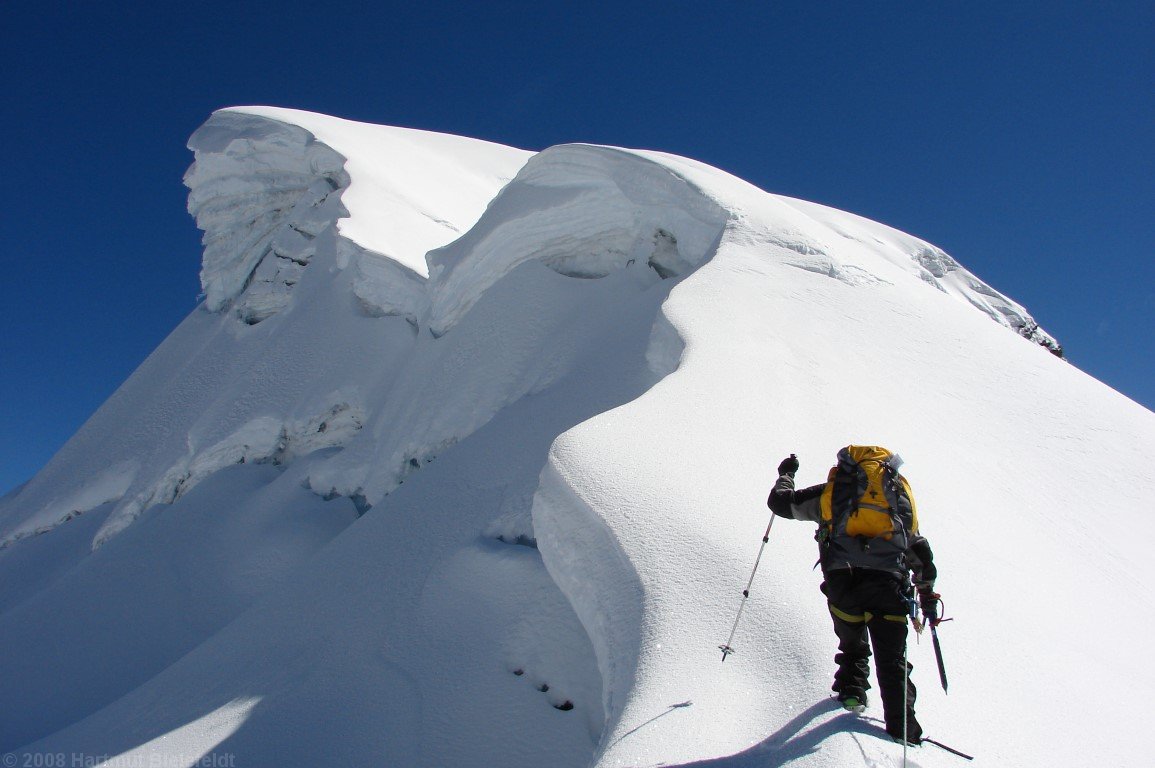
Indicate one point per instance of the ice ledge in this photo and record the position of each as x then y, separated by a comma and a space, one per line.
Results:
263, 191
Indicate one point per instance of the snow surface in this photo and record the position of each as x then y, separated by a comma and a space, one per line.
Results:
463, 462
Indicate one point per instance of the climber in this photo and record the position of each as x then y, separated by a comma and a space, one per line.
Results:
869, 549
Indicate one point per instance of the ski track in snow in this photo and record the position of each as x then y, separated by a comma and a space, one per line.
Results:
463, 461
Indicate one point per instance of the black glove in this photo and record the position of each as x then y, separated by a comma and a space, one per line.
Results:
929, 601
788, 466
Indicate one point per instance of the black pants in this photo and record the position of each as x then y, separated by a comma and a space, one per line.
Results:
872, 604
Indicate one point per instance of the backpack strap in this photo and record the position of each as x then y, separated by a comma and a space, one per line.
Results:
913, 507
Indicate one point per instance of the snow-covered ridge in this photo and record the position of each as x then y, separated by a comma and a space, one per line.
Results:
277, 190
267, 183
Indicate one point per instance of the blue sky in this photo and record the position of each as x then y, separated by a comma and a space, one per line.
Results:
1020, 137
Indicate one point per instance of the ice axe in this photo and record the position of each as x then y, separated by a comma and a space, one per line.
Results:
934, 621
938, 656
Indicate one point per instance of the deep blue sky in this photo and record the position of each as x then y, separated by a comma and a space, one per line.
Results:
1017, 136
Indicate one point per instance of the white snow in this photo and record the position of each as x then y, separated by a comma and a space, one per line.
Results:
463, 462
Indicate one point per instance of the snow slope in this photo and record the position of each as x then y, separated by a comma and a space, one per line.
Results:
463, 461
273, 202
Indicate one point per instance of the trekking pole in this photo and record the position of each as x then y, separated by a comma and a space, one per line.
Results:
905, 699
912, 609
726, 648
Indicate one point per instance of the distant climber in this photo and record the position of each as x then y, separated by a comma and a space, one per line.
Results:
869, 546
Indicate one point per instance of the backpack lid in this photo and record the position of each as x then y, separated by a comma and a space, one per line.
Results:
862, 453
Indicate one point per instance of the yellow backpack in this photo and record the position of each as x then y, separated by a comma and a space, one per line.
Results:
868, 510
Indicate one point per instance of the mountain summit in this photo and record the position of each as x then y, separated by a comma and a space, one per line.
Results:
463, 460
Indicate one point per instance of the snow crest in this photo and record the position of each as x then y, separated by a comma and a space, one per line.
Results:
931, 264
582, 211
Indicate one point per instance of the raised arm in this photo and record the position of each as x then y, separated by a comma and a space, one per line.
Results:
786, 502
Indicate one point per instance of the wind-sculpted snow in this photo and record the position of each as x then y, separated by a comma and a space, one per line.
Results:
584, 212
262, 191
269, 186
464, 459
262, 440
